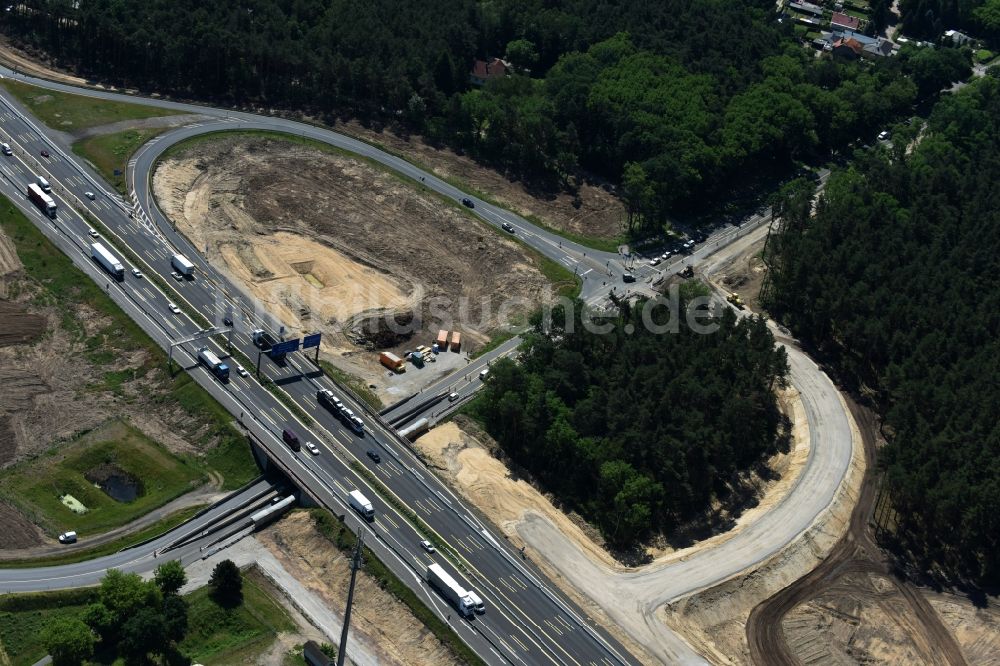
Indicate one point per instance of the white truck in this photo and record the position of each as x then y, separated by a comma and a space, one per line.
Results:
361, 504
182, 265
442, 581
108, 261
212, 362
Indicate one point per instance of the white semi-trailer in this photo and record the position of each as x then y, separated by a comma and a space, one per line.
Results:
182, 265
107, 260
361, 504
442, 581
212, 362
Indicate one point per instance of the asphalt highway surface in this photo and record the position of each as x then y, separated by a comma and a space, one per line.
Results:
527, 620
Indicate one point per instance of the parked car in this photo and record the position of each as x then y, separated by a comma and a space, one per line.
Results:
312, 448
136, 272
654, 261
884, 135
428, 546
468, 202
67, 537
374, 455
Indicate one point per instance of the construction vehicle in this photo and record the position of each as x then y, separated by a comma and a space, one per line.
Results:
735, 299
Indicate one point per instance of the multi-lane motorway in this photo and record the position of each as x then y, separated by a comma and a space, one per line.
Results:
527, 620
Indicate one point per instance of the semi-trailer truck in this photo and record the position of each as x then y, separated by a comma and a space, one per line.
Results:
108, 261
265, 341
442, 581
182, 265
361, 504
212, 362
44, 202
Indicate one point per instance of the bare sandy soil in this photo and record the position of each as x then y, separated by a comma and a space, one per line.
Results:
977, 630
382, 620
331, 244
595, 211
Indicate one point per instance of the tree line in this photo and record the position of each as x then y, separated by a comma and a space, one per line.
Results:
638, 430
679, 102
896, 279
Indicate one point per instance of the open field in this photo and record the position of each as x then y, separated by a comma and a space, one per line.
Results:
70, 113
114, 459
89, 363
344, 248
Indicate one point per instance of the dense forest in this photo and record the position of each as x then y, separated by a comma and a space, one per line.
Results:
930, 18
679, 101
638, 430
897, 280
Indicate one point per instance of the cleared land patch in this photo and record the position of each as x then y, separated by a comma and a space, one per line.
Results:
330, 243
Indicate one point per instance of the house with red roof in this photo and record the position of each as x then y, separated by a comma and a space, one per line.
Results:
484, 70
844, 21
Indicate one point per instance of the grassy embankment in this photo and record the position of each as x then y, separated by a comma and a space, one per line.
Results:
69, 112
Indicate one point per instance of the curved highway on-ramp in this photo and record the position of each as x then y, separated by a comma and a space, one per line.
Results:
829, 424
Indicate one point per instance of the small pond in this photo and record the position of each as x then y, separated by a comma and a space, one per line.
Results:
118, 484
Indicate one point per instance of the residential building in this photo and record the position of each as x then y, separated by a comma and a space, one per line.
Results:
844, 21
483, 71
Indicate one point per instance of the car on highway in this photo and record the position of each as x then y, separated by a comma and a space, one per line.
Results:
173, 308
241, 370
483, 374
45, 153
228, 321
312, 448
508, 227
428, 546
177, 276
374, 455
628, 277
6, 149
136, 272
452, 397
468, 202
93, 233
67, 537
90, 195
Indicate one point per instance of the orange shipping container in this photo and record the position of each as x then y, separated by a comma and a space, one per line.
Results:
390, 360
442, 340
456, 341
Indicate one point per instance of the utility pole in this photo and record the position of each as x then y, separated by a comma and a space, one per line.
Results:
355, 565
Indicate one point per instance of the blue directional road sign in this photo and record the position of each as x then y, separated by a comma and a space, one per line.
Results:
311, 340
285, 347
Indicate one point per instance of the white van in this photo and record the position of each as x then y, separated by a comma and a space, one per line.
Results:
67, 537
484, 374
44, 184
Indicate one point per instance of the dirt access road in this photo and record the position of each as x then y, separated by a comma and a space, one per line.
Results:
329, 243
857, 571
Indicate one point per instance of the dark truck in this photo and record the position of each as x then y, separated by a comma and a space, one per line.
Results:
265, 341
